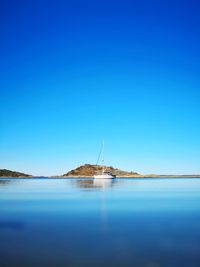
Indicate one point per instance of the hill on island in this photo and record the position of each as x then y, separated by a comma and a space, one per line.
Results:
8, 173
88, 170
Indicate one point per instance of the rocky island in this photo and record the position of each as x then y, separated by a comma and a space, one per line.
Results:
88, 170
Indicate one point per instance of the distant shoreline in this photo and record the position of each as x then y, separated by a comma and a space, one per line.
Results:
88, 171
91, 177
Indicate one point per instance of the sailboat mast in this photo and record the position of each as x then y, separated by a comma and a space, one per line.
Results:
102, 173
103, 169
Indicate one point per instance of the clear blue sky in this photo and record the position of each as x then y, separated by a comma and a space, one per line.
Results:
74, 72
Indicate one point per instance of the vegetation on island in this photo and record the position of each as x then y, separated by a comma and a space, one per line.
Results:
8, 173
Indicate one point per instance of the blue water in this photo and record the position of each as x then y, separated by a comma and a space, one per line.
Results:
79, 222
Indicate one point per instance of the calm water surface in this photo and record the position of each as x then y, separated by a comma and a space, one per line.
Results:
80, 222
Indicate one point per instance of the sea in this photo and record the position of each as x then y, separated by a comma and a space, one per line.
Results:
79, 222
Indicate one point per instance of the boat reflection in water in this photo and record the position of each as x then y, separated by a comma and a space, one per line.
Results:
95, 183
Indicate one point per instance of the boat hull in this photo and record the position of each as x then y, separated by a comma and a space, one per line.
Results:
104, 176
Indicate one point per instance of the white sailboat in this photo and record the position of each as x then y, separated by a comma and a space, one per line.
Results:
104, 174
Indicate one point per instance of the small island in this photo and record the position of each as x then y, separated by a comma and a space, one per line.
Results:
88, 170
13, 174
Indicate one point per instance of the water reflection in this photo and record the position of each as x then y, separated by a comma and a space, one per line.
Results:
5, 182
95, 183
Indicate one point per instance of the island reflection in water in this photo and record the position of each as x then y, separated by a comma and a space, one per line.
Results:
85, 222
95, 183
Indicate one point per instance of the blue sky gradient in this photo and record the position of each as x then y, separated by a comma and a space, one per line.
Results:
75, 72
